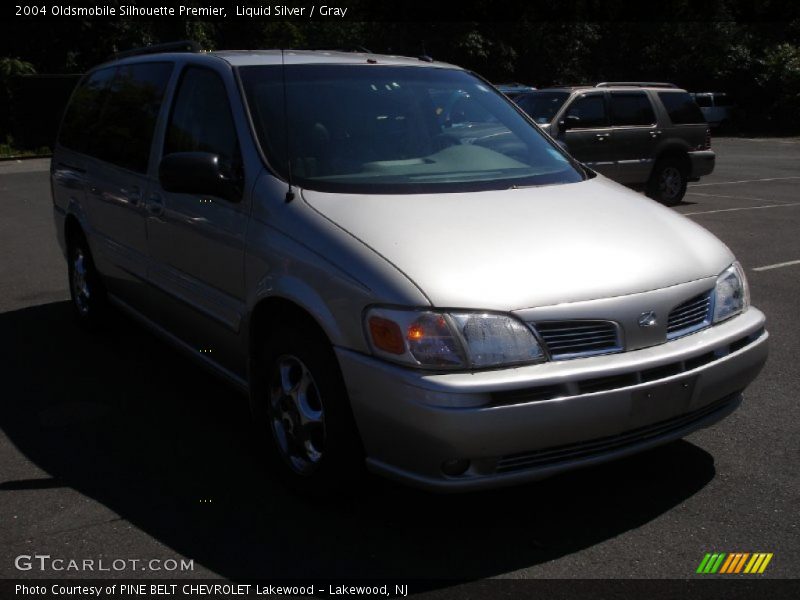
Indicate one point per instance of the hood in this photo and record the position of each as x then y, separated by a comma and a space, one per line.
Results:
522, 248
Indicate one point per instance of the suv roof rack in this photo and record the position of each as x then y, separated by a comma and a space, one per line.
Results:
655, 84
182, 46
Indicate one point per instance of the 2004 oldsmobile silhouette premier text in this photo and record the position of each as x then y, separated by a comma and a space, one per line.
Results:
399, 269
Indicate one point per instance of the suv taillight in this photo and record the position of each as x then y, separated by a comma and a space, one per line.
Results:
708, 138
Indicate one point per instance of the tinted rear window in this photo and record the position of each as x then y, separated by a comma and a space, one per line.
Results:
722, 100
112, 114
703, 100
129, 119
83, 113
681, 108
631, 108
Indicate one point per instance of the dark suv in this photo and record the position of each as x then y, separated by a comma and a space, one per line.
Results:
641, 134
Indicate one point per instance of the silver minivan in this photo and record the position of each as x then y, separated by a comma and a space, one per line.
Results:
395, 265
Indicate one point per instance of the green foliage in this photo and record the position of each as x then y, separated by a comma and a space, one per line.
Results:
721, 46
11, 67
779, 77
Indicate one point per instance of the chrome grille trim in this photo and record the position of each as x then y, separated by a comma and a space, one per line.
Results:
575, 339
690, 316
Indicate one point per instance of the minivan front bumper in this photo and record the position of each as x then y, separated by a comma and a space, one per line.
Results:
526, 423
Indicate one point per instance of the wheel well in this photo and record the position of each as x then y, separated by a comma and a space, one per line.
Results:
273, 311
72, 230
677, 153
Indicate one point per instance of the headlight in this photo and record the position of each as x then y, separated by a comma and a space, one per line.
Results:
450, 340
731, 295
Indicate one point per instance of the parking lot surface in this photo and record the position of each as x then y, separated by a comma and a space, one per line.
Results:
114, 446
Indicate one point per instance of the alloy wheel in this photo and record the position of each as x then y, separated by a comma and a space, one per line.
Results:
297, 414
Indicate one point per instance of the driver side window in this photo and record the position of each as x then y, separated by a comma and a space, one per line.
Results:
201, 119
589, 111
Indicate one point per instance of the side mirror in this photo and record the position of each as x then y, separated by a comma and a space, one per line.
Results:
570, 122
198, 173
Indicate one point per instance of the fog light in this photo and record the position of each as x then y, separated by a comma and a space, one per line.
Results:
455, 467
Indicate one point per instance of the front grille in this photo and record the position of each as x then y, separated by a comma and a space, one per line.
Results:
573, 339
548, 456
610, 383
690, 316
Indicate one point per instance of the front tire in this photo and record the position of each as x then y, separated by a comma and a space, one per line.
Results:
302, 413
86, 289
668, 181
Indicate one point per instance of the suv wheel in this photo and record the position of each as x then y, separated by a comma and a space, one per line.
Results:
301, 410
668, 181
85, 285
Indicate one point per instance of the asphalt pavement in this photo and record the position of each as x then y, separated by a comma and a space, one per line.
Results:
113, 446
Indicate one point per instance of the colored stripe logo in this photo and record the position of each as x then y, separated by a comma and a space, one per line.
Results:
734, 562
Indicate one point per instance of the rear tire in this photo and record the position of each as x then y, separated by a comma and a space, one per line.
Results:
302, 413
668, 181
86, 289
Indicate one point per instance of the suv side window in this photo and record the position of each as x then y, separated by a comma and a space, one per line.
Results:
83, 113
681, 108
590, 109
703, 100
721, 100
631, 108
128, 122
201, 119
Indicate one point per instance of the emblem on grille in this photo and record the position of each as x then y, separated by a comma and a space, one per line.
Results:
647, 319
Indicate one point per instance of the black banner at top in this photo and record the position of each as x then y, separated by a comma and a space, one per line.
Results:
408, 10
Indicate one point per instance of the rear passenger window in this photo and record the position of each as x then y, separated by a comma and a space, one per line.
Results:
703, 100
590, 110
681, 108
721, 100
201, 118
631, 108
128, 122
83, 113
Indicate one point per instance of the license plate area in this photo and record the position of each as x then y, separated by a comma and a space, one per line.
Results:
662, 401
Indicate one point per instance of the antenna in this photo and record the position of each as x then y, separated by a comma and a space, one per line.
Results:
290, 191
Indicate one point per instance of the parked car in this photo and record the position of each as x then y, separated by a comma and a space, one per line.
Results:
717, 108
512, 90
454, 305
639, 134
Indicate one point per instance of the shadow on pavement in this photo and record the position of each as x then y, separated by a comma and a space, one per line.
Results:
124, 419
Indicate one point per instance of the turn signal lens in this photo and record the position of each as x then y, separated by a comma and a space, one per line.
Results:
386, 335
431, 342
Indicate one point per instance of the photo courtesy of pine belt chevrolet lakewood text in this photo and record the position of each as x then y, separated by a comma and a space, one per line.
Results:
398, 267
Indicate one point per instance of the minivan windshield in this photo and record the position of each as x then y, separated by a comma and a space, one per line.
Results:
391, 129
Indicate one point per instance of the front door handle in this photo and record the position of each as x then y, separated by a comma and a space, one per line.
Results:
655, 134
601, 137
155, 205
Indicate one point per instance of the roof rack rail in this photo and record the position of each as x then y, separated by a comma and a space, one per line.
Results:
182, 46
567, 85
655, 84
358, 49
